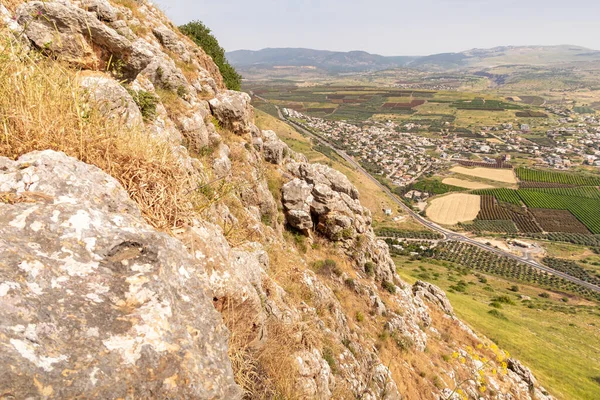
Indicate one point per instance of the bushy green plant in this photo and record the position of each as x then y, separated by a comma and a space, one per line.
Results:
370, 268
146, 102
202, 36
389, 286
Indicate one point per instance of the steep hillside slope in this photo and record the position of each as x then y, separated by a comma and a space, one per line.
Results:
154, 243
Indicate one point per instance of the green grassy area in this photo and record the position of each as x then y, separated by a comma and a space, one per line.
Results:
558, 340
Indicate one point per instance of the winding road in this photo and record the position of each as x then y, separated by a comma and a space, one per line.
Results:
448, 234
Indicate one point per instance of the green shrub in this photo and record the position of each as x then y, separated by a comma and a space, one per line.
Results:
327, 267
330, 358
544, 295
360, 317
514, 288
403, 342
370, 268
497, 314
202, 36
495, 304
146, 102
504, 300
389, 286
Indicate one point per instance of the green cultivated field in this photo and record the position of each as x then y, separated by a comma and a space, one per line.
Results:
505, 195
558, 340
534, 175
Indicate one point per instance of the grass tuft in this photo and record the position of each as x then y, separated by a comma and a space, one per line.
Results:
42, 107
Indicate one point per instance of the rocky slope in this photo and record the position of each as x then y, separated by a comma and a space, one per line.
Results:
267, 283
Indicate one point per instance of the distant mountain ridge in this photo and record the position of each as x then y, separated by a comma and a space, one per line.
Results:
356, 61
323, 59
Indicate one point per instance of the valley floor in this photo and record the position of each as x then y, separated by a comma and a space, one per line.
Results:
560, 341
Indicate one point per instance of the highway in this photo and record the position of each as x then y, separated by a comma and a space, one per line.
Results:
448, 235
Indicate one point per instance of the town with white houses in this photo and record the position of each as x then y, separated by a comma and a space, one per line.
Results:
395, 151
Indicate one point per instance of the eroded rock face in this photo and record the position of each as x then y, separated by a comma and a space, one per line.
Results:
297, 200
111, 99
333, 201
233, 111
93, 301
275, 151
79, 36
433, 294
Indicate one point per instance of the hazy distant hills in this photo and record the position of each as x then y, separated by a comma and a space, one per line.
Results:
327, 60
356, 61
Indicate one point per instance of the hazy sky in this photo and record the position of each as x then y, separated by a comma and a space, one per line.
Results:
393, 27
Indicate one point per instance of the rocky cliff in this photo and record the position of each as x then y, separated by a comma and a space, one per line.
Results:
175, 250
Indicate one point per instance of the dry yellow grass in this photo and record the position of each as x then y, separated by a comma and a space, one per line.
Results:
454, 208
466, 184
499, 175
41, 108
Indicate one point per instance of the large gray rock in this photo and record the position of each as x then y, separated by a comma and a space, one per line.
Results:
297, 199
233, 111
319, 173
334, 204
102, 8
172, 42
111, 99
79, 37
314, 375
275, 151
94, 303
522, 371
433, 294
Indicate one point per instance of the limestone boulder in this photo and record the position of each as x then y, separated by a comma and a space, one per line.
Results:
297, 200
434, 295
95, 303
233, 111
275, 151
78, 36
110, 98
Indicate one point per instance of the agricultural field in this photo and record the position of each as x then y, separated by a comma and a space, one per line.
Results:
404, 234
562, 178
584, 209
572, 209
558, 221
481, 104
574, 269
505, 195
544, 331
454, 208
494, 174
433, 110
482, 226
465, 184
491, 210
481, 260
592, 241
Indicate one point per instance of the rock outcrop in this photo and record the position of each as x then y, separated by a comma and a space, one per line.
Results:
94, 303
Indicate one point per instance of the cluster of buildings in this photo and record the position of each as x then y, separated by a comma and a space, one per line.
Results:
381, 148
394, 151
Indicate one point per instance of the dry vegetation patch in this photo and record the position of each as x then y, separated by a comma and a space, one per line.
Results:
499, 175
454, 208
466, 184
42, 107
